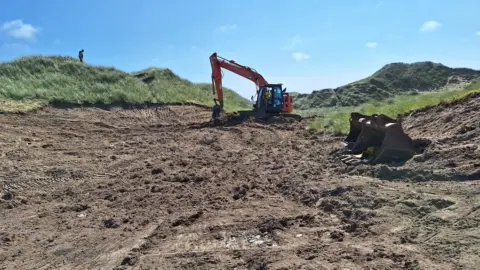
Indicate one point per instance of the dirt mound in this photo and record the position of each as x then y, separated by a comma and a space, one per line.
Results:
453, 134
127, 189
447, 139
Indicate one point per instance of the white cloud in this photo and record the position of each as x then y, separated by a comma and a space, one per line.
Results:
18, 29
295, 41
430, 26
477, 33
300, 56
227, 27
371, 45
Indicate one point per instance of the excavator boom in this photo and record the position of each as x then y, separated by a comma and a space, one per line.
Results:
219, 62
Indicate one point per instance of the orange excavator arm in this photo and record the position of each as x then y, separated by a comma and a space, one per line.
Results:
218, 63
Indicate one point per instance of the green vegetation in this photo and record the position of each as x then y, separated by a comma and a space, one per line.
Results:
390, 81
166, 86
33, 81
336, 119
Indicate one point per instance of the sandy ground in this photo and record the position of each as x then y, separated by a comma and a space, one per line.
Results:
153, 189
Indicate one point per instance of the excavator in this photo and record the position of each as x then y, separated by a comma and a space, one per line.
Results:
271, 100
372, 138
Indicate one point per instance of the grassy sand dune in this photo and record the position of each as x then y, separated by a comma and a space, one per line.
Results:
34, 81
388, 82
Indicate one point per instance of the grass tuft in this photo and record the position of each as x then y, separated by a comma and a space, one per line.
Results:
18, 106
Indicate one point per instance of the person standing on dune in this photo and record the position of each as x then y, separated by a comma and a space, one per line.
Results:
80, 55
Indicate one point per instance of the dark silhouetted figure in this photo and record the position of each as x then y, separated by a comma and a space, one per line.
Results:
80, 55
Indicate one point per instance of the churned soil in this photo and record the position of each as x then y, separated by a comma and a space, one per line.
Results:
89, 188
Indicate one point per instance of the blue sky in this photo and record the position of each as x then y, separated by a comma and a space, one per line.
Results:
305, 44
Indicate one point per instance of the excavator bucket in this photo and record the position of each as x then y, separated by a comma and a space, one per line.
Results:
381, 133
356, 120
